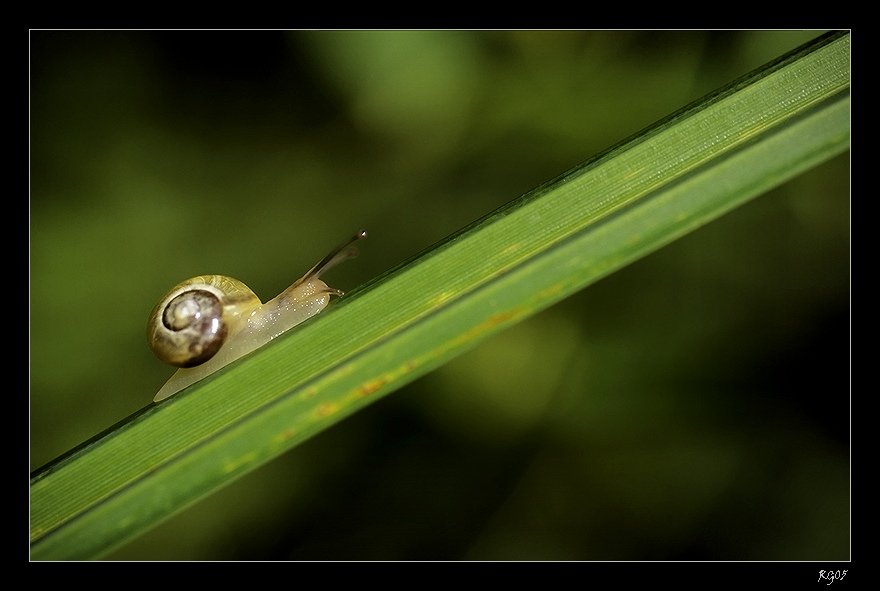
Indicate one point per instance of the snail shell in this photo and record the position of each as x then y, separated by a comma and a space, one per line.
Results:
207, 322
192, 322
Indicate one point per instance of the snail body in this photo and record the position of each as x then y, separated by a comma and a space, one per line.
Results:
209, 321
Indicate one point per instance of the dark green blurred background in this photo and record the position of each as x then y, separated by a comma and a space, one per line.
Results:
693, 406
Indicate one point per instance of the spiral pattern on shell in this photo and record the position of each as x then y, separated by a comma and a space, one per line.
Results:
190, 324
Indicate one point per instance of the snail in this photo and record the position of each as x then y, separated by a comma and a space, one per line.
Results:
210, 321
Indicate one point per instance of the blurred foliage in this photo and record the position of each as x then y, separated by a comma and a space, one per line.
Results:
156, 156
